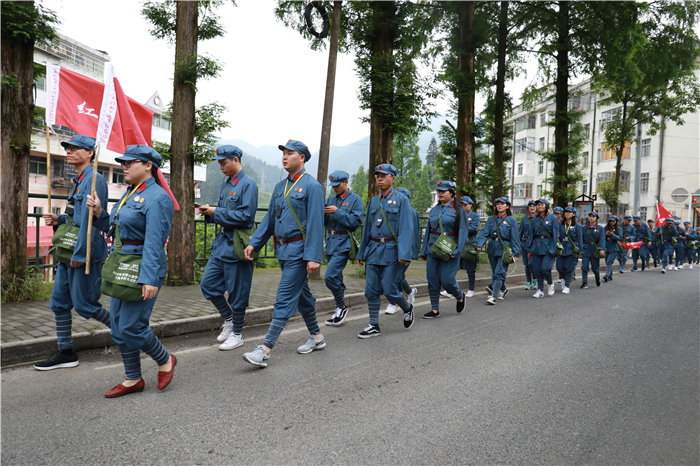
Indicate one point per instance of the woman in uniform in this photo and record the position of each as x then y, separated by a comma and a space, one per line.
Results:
593, 242
570, 235
472, 219
525, 230
613, 234
543, 247
141, 223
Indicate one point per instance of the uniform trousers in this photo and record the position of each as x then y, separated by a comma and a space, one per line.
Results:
567, 265
334, 276
594, 265
542, 265
680, 254
609, 261
528, 266
499, 270
232, 277
442, 274
642, 252
470, 267
667, 255
386, 280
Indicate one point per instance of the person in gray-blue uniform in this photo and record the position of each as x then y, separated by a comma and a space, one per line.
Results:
690, 238
570, 233
501, 230
236, 209
415, 254
342, 216
559, 214
654, 244
593, 241
613, 234
447, 217
628, 236
697, 251
141, 223
387, 239
525, 231
472, 219
679, 248
72, 287
295, 218
666, 233
543, 247
641, 233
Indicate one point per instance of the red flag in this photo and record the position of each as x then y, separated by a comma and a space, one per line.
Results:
631, 245
661, 214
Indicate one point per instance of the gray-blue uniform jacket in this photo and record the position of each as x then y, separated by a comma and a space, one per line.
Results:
592, 234
398, 212
146, 217
539, 243
472, 226
415, 245
576, 234
611, 242
346, 219
81, 188
665, 234
308, 199
507, 227
525, 230
642, 233
449, 219
238, 203
628, 232
690, 235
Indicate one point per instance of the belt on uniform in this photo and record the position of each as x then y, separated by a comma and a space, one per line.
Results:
587, 242
281, 241
126, 242
438, 233
542, 237
472, 235
337, 232
525, 237
228, 230
382, 240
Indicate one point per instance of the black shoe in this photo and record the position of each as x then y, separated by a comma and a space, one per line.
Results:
408, 318
597, 281
431, 315
60, 360
369, 332
610, 278
584, 286
621, 271
338, 318
489, 289
461, 304
605, 278
635, 269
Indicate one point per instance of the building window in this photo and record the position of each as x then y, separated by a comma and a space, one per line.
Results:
540, 167
40, 83
608, 116
644, 182
531, 121
520, 190
37, 165
587, 131
525, 144
543, 119
75, 54
584, 187
56, 210
161, 122
541, 143
39, 210
609, 154
585, 159
62, 169
643, 213
528, 190
539, 191
520, 169
646, 147
104, 171
624, 179
117, 176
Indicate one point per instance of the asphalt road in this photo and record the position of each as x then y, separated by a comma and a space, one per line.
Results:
602, 376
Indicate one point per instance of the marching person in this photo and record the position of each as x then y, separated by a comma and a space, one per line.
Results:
415, 254
342, 216
628, 235
501, 231
447, 218
295, 218
593, 249
654, 244
571, 237
525, 231
641, 233
387, 239
141, 223
543, 247
613, 234
72, 287
667, 232
690, 238
473, 221
559, 214
226, 272
679, 248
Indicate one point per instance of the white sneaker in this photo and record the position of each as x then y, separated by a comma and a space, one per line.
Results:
538, 294
469, 294
675, 268
338, 318
226, 332
565, 290
390, 309
412, 296
491, 300
690, 266
445, 294
550, 290
680, 267
663, 270
234, 341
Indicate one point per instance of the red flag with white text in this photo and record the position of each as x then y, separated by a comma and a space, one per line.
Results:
661, 214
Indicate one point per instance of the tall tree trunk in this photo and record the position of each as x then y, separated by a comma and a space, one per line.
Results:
499, 108
465, 100
618, 163
381, 138
181, 245
561, 114
17, 118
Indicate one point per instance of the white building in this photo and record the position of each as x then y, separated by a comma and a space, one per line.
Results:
665, 166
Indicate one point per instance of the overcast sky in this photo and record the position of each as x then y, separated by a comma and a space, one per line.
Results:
272, 83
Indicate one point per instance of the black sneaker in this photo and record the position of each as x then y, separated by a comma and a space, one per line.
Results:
338, 318
369, 332
489, 289
610, 278
584, 286
431, 315
408, 318
605, 278
461, 304
62, 359
597, 281
635, 269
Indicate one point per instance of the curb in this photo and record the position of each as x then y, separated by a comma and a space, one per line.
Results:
31, 350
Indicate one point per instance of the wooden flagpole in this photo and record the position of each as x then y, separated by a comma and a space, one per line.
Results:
48, 166
89, 226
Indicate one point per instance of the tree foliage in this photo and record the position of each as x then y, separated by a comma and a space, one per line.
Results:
431, 153
407, 160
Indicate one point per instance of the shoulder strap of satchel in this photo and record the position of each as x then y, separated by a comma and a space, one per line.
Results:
498, 232
381, 211
595, 245
543, 228
296, 219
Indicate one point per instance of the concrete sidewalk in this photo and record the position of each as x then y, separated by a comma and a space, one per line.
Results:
28, 330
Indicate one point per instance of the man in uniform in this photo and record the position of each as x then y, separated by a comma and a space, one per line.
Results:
593, 241
225, 272
690, 238
295, 218
628, 235
680, 245
525, 230
641, 233
666, 233
387, 239
653, 245
72, 287
342, 216
415, 254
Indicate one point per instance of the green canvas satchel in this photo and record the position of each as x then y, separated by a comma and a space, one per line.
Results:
120, 274
507, 248
64, 241
560, 247
574, 245
444, 245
